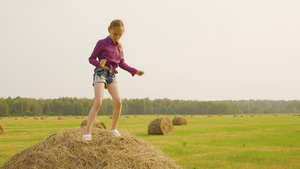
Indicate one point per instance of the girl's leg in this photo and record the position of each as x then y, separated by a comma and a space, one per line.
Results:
113, 90
99, 93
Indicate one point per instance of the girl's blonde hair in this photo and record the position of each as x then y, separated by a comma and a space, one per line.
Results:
116, 23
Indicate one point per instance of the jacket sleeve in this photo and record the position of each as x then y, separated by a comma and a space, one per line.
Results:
126, 67
93, 58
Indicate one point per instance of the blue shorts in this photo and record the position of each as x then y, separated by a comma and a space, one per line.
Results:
104, 76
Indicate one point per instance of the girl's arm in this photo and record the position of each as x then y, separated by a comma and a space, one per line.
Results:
126, 67
93, 58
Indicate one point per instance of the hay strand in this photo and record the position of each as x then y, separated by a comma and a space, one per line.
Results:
179, 121
97, 124
160, 126
61, 118
67, 150
2, 132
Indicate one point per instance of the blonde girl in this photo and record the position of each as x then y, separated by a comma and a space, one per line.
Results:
107, 57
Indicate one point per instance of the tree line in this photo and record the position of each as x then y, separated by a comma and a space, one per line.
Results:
80, 107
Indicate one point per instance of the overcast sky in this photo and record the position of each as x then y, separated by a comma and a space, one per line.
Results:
189, 49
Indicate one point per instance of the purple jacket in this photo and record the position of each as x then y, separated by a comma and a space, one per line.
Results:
106, 49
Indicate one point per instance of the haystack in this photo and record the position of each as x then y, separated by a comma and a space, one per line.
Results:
67, 150
160, 126
61, 118
97, 124
2, 132
179, 121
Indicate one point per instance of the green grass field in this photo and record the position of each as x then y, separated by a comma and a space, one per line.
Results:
206, 142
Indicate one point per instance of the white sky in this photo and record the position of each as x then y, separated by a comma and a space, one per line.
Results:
191, 49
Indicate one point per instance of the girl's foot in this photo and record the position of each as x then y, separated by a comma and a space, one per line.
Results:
115, 133
87, 137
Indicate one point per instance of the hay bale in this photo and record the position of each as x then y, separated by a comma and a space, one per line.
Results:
96, 124
66, 149
35, 118
160, 126
179, 121
61, 118
2, 132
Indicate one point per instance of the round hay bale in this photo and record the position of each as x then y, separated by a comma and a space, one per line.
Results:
66, 149
160, 126
96, 124
61, 118
2, 132
35, 118
179, 121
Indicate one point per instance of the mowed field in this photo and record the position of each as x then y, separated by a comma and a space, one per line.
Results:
226, 141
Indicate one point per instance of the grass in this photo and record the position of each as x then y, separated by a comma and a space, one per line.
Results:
206, 142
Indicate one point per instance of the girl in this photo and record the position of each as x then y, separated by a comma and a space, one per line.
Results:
110, 55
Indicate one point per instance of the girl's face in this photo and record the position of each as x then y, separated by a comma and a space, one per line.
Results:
115, 33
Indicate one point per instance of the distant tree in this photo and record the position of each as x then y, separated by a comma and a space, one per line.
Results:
3, 108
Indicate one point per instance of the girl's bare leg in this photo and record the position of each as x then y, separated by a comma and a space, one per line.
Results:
113, 90
99, 93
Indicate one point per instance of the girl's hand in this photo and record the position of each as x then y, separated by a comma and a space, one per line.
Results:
102, 63
140, 72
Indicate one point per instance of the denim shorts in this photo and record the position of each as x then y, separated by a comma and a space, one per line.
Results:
104, 76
